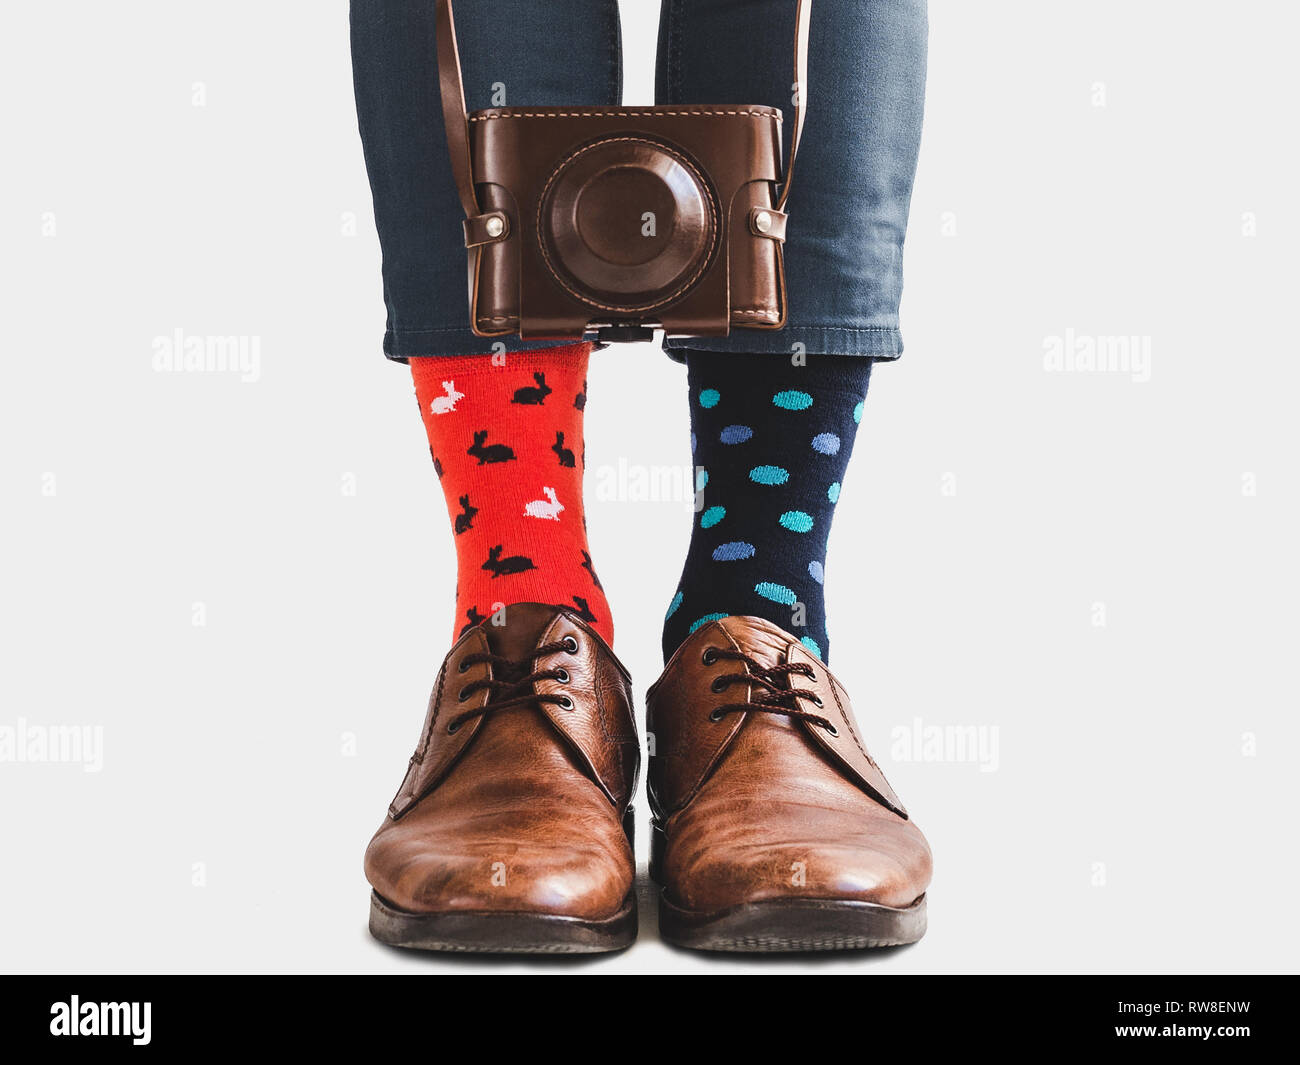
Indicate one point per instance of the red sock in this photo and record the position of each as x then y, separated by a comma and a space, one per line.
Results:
506, 438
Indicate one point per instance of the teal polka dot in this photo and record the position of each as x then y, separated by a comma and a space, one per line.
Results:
701, 479
712, 516
709, 398
833, 492
706, 619
797, 521
769, 475
811, 644
857, 412
778, 593
793, 400
672, 607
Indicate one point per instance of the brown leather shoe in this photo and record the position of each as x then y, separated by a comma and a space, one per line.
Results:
773, 829
512, 830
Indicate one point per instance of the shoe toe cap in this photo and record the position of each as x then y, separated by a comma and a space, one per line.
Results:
424, 872
885, 861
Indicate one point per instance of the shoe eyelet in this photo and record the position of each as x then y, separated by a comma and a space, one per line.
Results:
453, 728
831, 729
715, 716
710, 656
817, 702
570, 645
566, 703
562, 675
464, 694
717, 687
463, 668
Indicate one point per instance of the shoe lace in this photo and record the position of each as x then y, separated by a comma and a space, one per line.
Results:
770, 689
511, 684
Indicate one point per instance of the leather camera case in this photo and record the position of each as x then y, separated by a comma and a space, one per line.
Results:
620, 220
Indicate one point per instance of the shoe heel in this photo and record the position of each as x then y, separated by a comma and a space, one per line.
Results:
658, 841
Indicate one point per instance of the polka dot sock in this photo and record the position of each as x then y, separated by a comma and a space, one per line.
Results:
771, 442
506, 441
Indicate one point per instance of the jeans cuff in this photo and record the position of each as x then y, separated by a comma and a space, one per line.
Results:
402, 345
871, 342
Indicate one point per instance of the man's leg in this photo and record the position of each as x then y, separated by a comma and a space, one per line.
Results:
771, 444
848, 218
507, 833
774, 829
507, 446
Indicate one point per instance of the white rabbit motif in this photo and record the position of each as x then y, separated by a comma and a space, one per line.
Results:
540, 508
446, 404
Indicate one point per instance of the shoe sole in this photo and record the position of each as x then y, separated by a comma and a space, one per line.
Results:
482, 932
788, 925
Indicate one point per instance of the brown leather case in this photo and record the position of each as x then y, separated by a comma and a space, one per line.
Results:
619, 220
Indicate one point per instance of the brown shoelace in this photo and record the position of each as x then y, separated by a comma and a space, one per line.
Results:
773, 695
511, 693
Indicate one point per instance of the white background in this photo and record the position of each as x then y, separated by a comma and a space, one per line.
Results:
1112, 167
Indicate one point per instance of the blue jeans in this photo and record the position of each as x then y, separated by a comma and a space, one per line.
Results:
852, 187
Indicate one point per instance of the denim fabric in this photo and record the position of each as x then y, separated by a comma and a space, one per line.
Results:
853, 178
853, 181
519, 53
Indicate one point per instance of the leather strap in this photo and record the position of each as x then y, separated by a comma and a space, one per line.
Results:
454, 117
456, 120
803, 20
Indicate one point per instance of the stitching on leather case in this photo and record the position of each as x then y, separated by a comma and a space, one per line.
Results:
627, 114
705, 262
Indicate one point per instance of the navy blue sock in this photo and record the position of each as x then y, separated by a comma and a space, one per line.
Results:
771, 442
